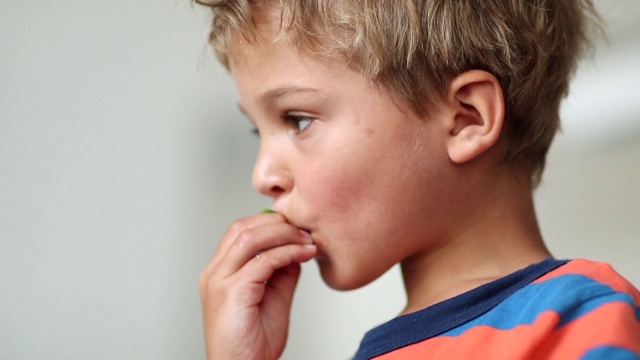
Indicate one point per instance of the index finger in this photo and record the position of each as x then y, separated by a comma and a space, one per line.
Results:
240, 225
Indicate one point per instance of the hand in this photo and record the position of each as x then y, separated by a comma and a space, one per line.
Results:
247, 288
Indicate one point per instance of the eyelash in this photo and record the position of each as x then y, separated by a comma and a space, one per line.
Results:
296, 119
292, 119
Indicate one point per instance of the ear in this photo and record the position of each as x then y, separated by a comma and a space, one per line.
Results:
477, 115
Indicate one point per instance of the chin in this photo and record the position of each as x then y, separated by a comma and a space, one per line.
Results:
344, 279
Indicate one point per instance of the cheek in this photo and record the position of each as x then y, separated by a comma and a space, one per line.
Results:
361, 178
335, 188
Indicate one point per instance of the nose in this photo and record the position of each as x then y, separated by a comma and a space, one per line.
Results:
271, 177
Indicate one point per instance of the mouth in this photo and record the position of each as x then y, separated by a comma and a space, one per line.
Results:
306, 231
303, 229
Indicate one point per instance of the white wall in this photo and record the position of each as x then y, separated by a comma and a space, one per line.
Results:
123, 158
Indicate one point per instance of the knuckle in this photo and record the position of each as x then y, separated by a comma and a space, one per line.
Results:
204, 281
237, 226
278, 257
204, 276
245, 239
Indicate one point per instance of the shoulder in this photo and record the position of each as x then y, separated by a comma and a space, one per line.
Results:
596, 271
563, 294
584, 281
595, 311
575, 290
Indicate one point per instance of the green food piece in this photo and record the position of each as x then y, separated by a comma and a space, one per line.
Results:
268, 211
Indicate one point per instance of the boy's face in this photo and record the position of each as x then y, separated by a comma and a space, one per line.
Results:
341, 159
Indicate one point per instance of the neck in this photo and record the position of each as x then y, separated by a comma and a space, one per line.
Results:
497, 235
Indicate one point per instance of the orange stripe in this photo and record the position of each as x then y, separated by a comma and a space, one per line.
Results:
597, 271
610, 324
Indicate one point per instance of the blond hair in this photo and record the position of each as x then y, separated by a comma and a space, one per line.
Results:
414, 47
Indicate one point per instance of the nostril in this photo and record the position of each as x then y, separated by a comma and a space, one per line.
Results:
276, 190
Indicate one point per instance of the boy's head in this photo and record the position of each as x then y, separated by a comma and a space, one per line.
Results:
413, 48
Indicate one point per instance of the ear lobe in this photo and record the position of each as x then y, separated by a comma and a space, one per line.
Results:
477, 117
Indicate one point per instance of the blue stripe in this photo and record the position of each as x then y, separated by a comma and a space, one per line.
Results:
610, 353
570, 296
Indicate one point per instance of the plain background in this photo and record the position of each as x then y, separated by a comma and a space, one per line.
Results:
123, 158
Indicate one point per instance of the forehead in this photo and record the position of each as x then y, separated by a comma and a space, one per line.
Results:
262, 28
269, 23
270, 70
268, 56
269, 61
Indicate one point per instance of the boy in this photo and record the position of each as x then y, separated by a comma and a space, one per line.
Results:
409, 132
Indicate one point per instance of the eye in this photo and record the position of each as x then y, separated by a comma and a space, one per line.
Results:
299, 120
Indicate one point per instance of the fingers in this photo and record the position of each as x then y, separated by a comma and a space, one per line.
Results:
262, 240
279, 293
275, 261
246, 298
266, 234
274, 272
241, 225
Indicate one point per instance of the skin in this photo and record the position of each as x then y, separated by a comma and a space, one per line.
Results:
371, 184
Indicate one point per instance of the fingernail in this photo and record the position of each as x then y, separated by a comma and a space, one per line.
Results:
268, 211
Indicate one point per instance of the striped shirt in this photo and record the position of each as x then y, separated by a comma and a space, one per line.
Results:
555, 309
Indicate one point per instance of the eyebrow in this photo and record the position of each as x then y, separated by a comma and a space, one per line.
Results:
289, 90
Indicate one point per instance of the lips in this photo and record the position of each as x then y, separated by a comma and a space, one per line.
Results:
308, 233
294, 223
305, 230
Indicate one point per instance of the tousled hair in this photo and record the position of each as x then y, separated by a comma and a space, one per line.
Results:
412, 48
